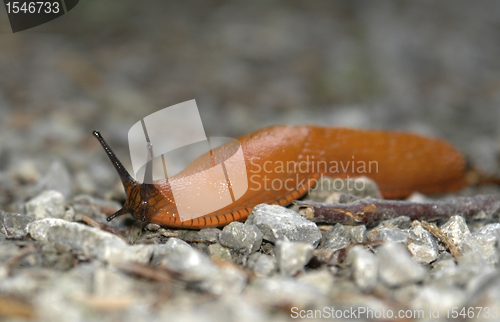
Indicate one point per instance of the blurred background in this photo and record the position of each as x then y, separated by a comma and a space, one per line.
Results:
428, 67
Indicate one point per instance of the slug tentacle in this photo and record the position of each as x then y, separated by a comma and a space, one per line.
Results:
121, 212
126, 178
148, 173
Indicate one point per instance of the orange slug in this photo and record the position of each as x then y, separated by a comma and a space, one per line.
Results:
400, 163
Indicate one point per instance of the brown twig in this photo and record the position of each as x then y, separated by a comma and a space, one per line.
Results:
442, 237
372, 211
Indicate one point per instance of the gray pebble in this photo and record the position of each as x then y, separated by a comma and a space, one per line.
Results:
284, 290
393, 235
292, 256
14, 225
217, 251
262, 265
198, 269
179, 256
443, 271
422, 245
276, 222
402, 222
364, 265
67, 235
92, 242
336, 238
397, 268
456, 228
49, 204
244, 238
430, 298
485, 241
152, 227
321, 279
358, 234
210, 235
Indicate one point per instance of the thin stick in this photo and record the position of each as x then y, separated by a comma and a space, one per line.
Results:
372, 211
442, 237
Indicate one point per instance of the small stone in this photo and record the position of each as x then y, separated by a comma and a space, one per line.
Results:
210, 235
292, 256
472, 258
197, 268
67, 235
397, 268
217, 251
152, 227
479, 284
336, 238
262, 265
404, 294
14, 225
456, 228
227, 280
470, 266
485, 241
422, 245
402, 222
444, 270
92, 242
178, 256
49, 204
357, 234
244, 238
364, 267
283, 290
393, 235
446, 273
321, 279
438, 300
276, 222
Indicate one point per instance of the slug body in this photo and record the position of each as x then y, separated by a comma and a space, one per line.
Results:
283, 162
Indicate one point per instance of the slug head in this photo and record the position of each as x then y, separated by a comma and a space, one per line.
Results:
141, 198
141, 202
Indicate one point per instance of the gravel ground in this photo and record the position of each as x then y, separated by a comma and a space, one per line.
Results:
427, 67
